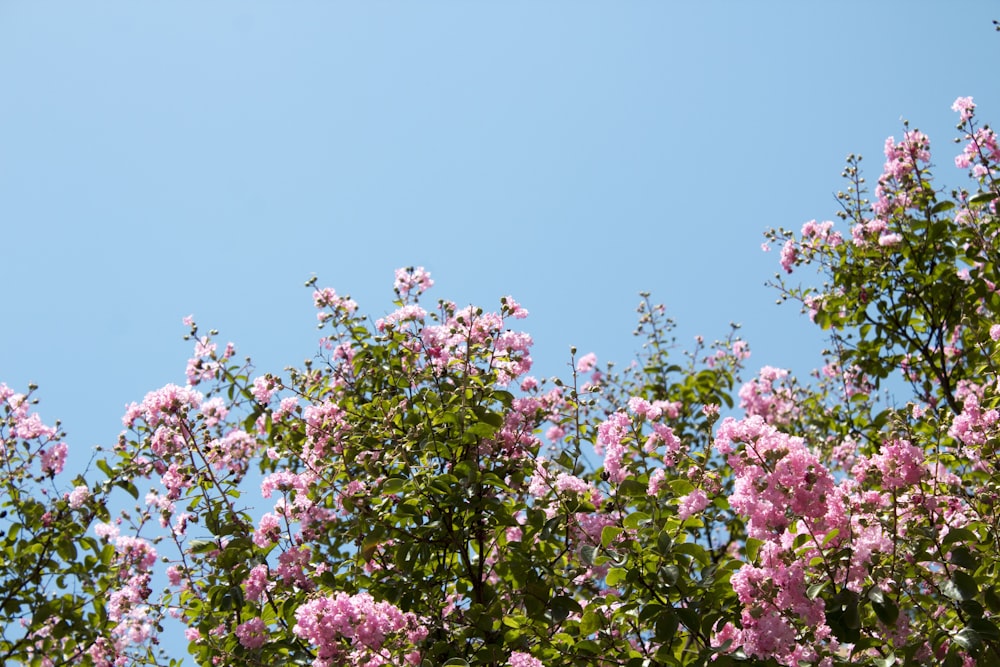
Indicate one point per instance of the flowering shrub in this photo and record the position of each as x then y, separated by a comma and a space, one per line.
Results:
413, 496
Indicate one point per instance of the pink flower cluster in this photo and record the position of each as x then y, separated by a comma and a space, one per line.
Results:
974, 426
28, 426
775, 600
816, 237
982, 150
164, 406
520, 659
610, 436
357, 630
901, 181
127, 605
327, 297
203, 364
412, 281
761, 396
778, 480
465, 337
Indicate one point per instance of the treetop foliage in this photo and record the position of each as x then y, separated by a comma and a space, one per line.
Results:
413, 496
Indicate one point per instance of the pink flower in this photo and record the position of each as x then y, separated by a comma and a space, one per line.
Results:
655, 481
691, 504
965, 107
409, 313
513, 308
256, 582
609, 437
416, 280
357, 623
328, 298
520, 659
886, 240
54, 458
640, 407
78, 496
789, 253
995, 332
174, 575
215, 410
586, 363
268, 532
252, 634
263, 389
900, 463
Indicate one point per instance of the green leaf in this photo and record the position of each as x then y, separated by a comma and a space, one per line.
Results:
694, 550
632, 489
615, 576
985, 628
664, 543
752, 547
961, 586
968, 639
455, 662
200, 546
587, 553
561, 606
481, 429
992, 600
887, 661
960, 535
814, 590
609, 534
665, 627
964, 558
66, 549
635, 519
393, 485
885, 608
105, 468
982, 198
590, 623
129, 487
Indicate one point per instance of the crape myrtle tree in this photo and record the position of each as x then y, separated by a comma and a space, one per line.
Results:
412, 496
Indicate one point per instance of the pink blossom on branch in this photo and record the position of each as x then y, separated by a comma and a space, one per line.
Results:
353, 629
965, 107
586, 363
413, 281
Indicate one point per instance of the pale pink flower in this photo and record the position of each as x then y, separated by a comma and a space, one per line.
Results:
691, 504
656, 479
53, 458
586, 363
789, 253
520, 659
78, 496
252, 634
415, 280
513, 308
965, 107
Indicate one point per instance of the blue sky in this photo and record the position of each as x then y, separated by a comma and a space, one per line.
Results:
161, 159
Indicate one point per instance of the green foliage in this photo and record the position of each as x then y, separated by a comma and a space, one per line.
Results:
423, 501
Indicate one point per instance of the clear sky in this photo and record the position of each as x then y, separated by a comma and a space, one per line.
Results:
161, 159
